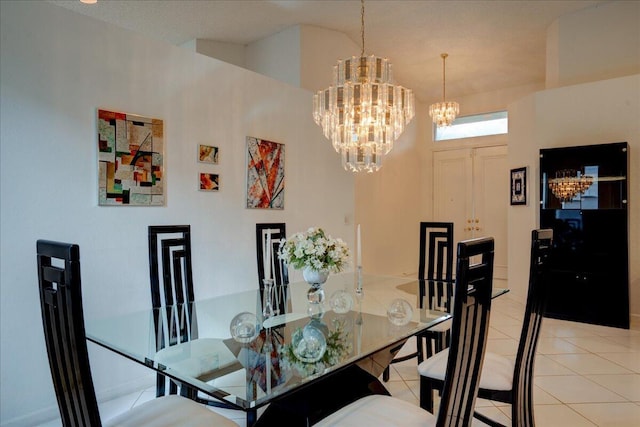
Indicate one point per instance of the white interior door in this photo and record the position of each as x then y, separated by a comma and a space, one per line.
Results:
453, 190
471, 189
491, 201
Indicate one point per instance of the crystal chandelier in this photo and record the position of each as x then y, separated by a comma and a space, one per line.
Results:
444, 113
568, 184
363, 111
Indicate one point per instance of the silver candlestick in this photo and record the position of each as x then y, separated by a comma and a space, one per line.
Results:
267, 307
359, 290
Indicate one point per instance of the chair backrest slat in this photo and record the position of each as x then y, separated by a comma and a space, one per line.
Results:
469, 330
173, 296
63, 324
280, 272
436, 251
522, 409
278, 231
435, 266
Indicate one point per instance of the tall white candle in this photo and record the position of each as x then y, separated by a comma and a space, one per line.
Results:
359, 248
267, 257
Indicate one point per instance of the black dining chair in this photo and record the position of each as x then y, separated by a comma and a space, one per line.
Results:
470, 328
63, 323
280, 272
175, 317
435, 273
504, 379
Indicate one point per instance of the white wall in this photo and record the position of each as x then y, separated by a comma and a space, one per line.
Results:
592, 113
598, 43
56, 68
302, 55
388, 205
320, 51
231, 53
277, 56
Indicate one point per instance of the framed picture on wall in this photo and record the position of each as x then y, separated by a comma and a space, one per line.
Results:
265, 174
208, 154
209, 181
519, 186
130, 160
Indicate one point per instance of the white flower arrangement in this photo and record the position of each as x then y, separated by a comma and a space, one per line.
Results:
316, 250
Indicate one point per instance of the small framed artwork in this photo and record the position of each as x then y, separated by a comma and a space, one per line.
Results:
519, 186
209, 181
265, 174
208, 154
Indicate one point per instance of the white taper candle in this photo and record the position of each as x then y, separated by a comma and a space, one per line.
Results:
359, 248
267, 258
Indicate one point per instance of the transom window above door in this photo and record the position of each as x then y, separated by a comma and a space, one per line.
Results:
495, 123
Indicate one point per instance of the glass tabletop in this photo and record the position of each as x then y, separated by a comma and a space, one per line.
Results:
252, 366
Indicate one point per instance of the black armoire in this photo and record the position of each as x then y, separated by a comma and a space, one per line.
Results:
583, 198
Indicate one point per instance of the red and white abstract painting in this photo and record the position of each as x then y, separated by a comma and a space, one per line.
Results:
265, 174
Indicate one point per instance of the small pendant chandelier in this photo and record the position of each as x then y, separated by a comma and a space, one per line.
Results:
363, 111
444, 113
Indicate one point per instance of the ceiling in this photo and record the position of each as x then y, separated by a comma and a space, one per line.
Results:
492, 44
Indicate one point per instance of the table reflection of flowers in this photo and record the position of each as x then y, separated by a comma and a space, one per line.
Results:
308, 355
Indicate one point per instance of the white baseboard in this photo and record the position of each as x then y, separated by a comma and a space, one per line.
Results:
634, 320
51, 413
36, 418
138, 384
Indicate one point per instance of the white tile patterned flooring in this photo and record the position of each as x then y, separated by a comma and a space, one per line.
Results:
586, 375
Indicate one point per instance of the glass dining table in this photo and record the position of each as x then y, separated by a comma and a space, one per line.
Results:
301, 364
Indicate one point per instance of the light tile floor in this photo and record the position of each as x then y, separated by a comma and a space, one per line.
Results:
586, 375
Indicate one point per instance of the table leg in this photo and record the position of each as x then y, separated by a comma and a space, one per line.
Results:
252, 416
308, 405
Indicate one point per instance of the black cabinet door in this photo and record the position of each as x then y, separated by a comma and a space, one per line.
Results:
589, 275
587, 297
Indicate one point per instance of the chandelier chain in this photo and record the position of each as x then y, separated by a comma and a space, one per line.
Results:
362, 26
444, 76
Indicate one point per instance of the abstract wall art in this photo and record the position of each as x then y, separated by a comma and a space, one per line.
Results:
208, 154
209, 182
130, 160
265, 174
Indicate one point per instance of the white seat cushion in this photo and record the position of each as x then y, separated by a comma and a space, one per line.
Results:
497, 370
197, 358
170, 411
379, 410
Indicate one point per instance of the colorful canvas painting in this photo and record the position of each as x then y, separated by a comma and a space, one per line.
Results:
208, 154
265, 174
130, 160
209, 182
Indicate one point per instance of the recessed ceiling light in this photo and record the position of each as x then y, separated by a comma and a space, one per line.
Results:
89, 1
